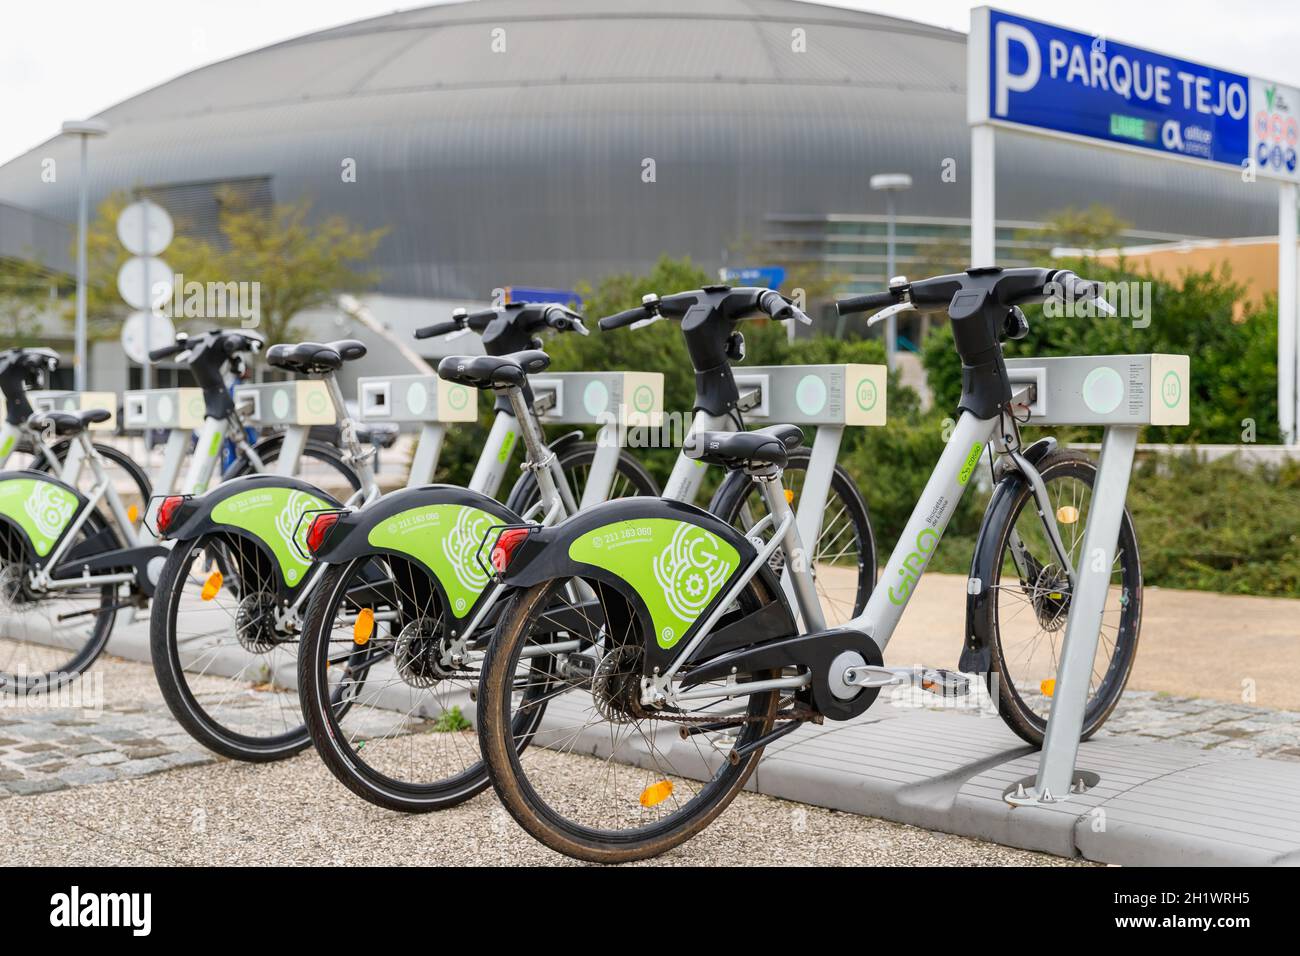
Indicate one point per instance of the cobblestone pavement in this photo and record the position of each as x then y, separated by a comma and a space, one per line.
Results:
46, 748
1207, 724
42, 750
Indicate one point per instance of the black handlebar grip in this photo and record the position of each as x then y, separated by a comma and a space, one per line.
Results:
167, 351
865, 303
1074, 284
438, 328
620, 319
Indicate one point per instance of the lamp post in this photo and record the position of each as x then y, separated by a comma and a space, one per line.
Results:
890, 184
83, 129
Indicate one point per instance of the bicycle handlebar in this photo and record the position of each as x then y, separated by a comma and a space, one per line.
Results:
167, 351
742, 304
620, 319
865, 303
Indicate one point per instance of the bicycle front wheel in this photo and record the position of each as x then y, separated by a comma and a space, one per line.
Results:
1029, 602
844, 554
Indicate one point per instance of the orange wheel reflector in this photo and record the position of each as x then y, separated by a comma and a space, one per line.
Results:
364, 626
1067, 514
212, 586
1048, 687
789, 496
656, 793
132, 514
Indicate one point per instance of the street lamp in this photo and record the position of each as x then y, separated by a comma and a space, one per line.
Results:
84, 129
890, 183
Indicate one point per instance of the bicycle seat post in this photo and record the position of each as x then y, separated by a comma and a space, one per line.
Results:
537, 454
358, 457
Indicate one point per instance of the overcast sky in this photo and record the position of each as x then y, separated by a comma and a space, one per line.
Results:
63, 59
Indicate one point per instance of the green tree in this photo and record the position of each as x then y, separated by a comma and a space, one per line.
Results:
1096, 227
27, 290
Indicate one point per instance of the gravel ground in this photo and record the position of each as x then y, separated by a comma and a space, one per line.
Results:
294, 812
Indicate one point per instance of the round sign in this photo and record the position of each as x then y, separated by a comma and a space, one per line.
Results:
134, 341
144, 283
1103, 390
145, 228
810, 395
417, 397
595, 398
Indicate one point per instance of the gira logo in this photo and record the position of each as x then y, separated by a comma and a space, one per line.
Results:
913, 565
971, 461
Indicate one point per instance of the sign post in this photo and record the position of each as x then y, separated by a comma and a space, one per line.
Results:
1034, 77
145, 229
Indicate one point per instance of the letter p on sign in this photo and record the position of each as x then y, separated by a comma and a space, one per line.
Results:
1004, 35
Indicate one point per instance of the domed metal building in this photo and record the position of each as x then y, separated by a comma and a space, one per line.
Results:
508, 142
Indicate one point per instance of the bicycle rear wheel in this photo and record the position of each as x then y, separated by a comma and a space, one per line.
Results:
225, 660
597, 776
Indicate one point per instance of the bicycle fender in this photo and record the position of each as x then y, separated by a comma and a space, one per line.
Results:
40, 508
673, 561
977, 649
445, 529
267, 509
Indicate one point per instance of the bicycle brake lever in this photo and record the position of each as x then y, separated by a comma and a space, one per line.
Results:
888, 311
642, 323
1104, 307
455, 335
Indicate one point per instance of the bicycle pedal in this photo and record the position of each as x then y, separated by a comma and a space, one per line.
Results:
943, 683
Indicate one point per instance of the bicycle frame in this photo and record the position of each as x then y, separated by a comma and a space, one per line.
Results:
101, 490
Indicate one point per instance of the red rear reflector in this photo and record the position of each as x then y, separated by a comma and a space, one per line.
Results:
505, 548
320, 527
167, 511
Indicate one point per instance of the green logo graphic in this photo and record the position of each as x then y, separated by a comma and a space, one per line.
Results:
280, 403
41, 508
867, 395
315, 403
643, 398
507, 443
913, 565
1171, 389
274, 516
676, 567
972, 460
445, 539
196, 407
458, 397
